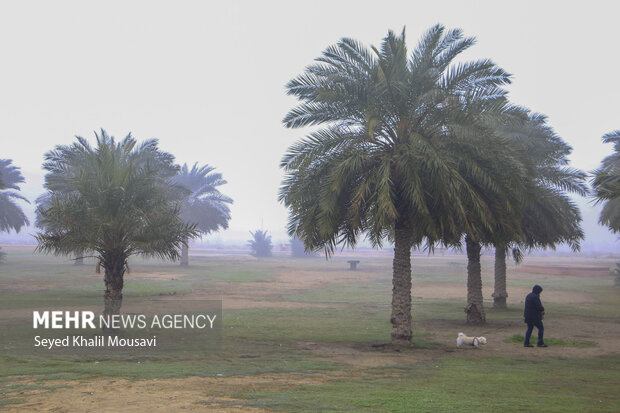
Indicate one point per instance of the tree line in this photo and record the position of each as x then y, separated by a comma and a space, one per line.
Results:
409, 147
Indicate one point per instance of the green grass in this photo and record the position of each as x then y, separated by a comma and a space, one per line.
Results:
608, 306
519, 339
24, 387
140, 368
349, 315
5, 401
358, 293
491, 385
359, 325
269, 336
13, 389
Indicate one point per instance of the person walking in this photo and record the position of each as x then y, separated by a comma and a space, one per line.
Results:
533, 316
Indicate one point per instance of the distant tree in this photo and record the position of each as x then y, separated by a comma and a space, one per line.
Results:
606, 185
298, 249
260, 243
113, 200
11, 215
203, 206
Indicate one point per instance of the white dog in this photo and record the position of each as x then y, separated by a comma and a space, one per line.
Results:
470, 341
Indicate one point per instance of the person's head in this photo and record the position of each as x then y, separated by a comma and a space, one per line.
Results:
537, 289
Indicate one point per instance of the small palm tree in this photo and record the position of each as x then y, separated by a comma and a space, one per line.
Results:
399, 152
260, 243
113, 200
203, 206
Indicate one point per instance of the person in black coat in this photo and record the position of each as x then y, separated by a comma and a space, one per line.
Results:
533, 315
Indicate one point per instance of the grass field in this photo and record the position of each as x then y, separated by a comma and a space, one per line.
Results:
307, 335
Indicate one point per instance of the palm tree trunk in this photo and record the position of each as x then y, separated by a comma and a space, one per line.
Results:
475, 308
113, 278
401, 286
500, 293
185, 254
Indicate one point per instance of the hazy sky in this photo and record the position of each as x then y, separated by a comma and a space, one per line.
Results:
207, 79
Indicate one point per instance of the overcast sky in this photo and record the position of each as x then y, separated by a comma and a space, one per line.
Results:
207, 79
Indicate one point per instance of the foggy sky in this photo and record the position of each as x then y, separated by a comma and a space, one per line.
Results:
207, 80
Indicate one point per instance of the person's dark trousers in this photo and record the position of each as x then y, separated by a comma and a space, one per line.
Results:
530, 327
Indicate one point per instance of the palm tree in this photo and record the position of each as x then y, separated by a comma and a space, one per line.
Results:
549, 217
260, 243
11, 215
606, 184
507, 173
399, 154
114, 200
204, 206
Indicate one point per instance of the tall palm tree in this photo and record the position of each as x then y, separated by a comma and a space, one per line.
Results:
508, 173
504, 211
114, 200
11, 215
204, 206
549, 217
400, 153
606, 184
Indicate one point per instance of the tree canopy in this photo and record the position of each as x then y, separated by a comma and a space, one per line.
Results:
204, 206
404, 138
113, 196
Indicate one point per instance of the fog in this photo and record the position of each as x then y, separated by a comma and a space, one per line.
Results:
207, 80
